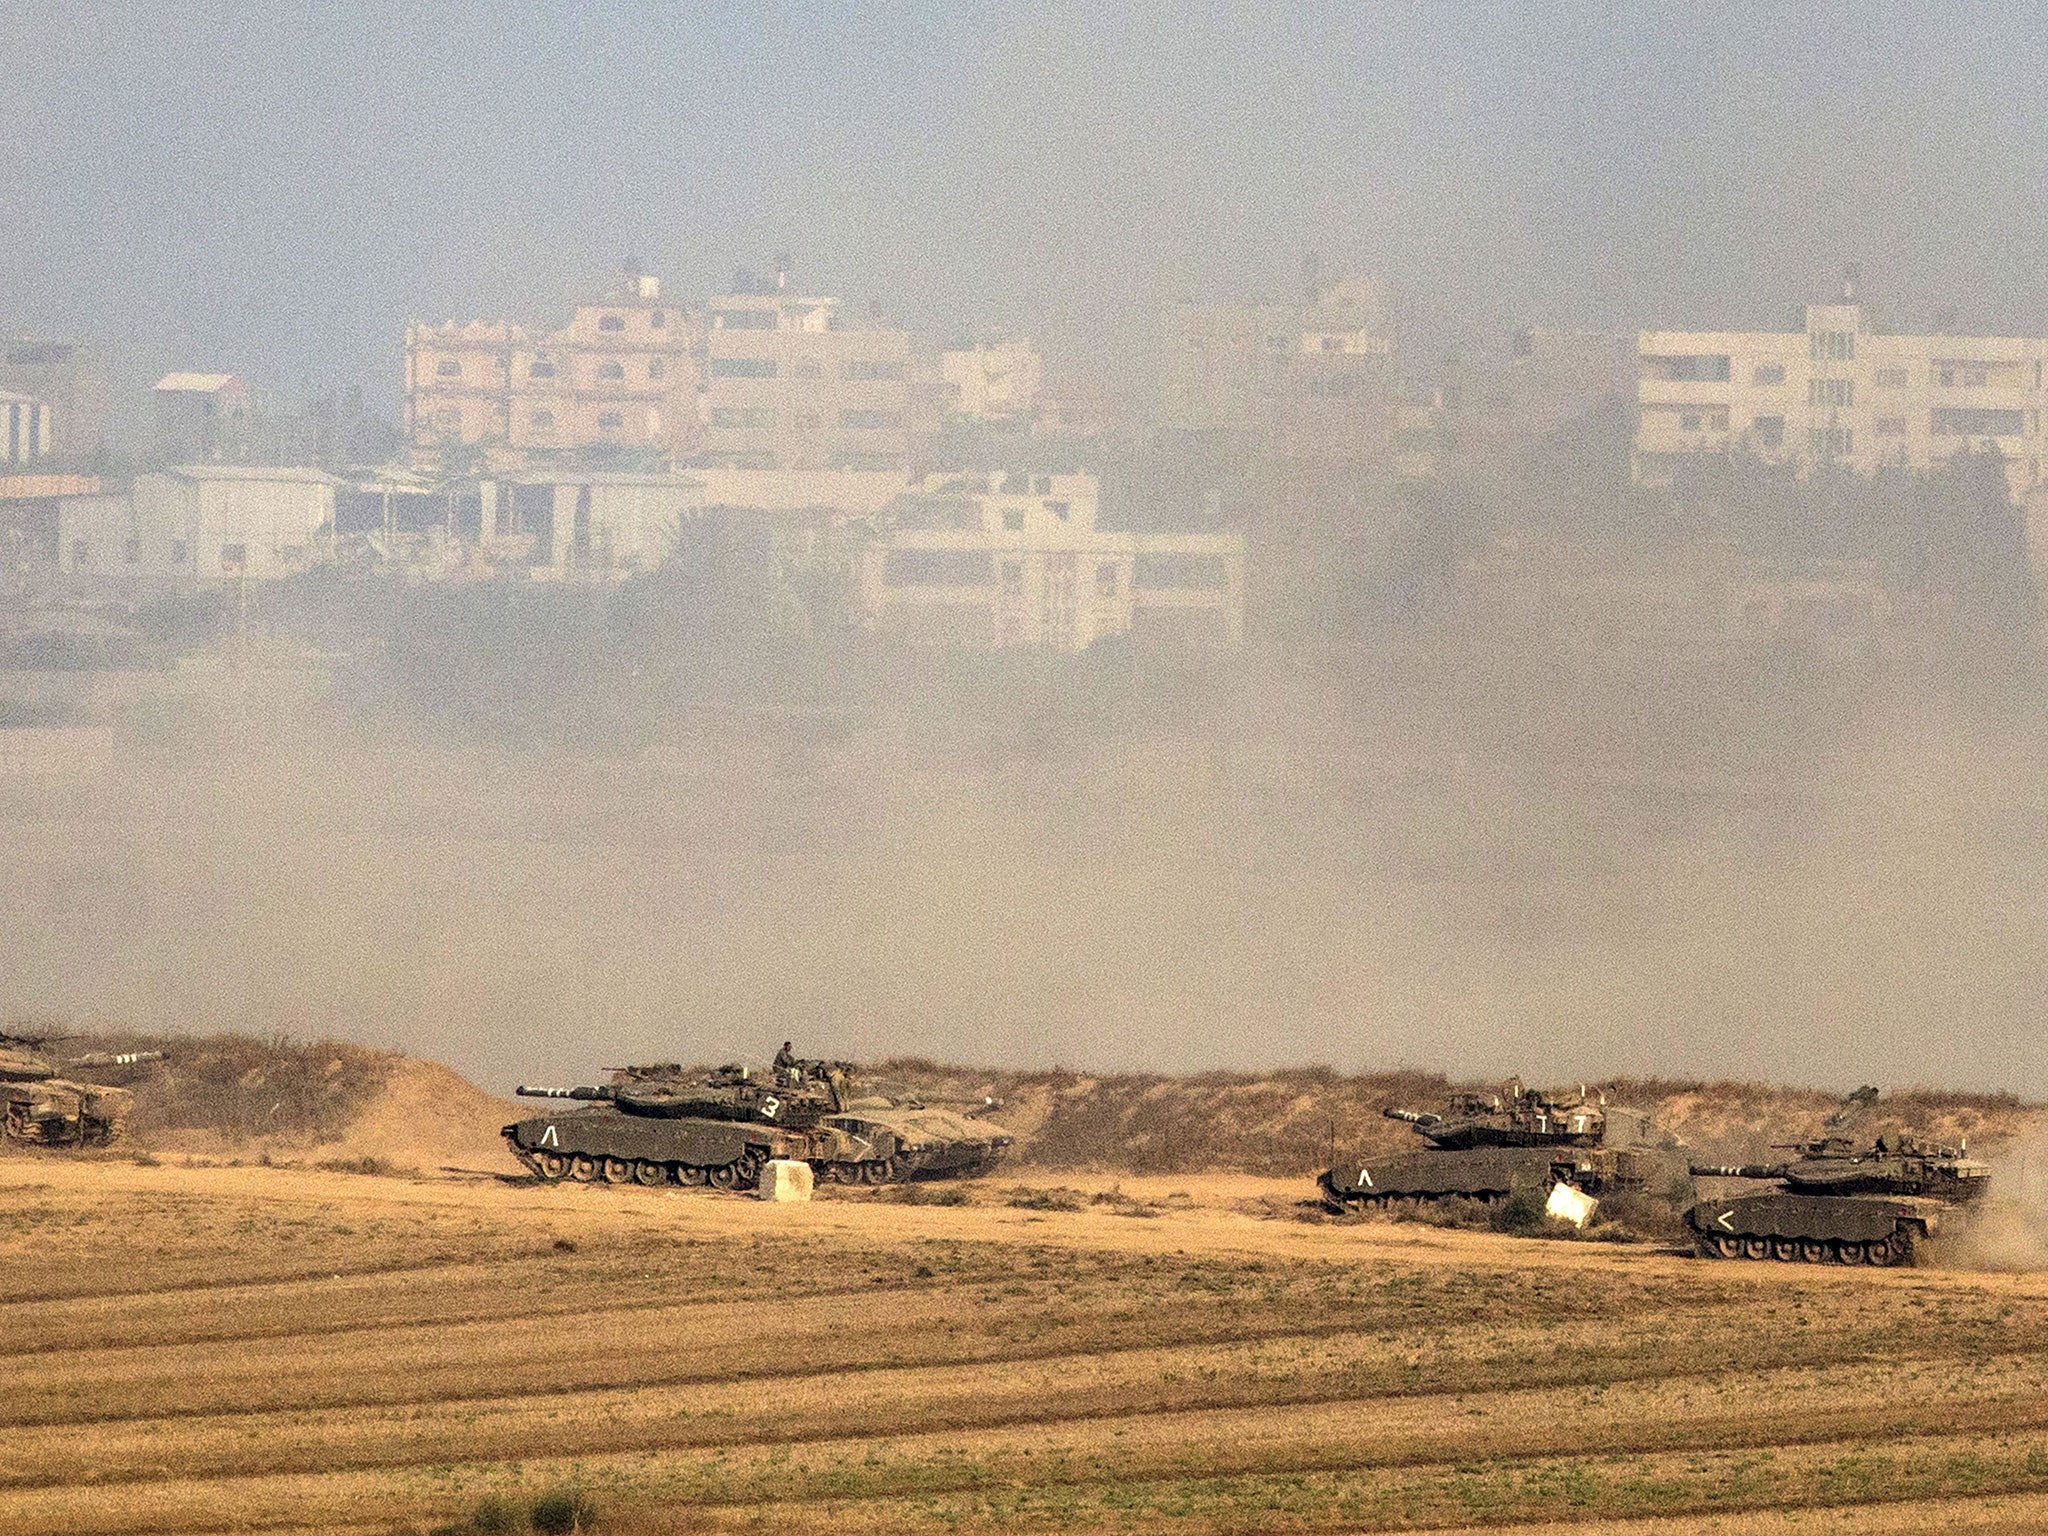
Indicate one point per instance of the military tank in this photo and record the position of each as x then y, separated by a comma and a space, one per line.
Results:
656, 1124
1839, 1201
1489, 1146
44, 1107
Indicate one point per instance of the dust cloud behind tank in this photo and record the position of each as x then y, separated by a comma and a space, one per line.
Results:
1487, 1147
1840, 1200
45, 1106
660, 1124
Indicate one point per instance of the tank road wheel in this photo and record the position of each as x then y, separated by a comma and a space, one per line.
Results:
617, 1170
647, 1171
727, 1177
1855, 1253
1785, 1249
874, 1173
1813, 1250
1882, 1251
900, 1168
1726, 1247
552, 1166
692, 1174
583, 1169
1756, 1247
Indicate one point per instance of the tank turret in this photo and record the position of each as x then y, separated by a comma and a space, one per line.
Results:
1839, 1201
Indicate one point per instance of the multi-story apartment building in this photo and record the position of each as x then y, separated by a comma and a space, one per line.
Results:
790, 383
1003, 558
67, 377
619, 379
1838, 392
1309, 382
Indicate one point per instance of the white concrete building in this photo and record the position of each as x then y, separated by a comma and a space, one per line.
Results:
1838, 392
200, 525
28, 431
1002, 559
600, 525
991, 381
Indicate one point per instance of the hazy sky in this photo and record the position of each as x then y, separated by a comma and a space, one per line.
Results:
276, 188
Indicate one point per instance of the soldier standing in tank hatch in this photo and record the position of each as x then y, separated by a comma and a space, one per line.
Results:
786, 1069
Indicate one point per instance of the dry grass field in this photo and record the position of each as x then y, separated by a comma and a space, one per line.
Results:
210, 1348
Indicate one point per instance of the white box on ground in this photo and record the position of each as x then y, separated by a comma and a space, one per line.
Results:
1568, 1204
786, 1178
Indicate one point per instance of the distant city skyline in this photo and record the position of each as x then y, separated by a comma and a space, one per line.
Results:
276, 192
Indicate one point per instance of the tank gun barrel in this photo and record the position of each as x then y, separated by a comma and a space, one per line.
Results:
114, 1058
1413, 1117
603, 1093
1738, 1170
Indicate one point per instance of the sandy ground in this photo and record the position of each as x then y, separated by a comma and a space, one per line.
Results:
213, 1348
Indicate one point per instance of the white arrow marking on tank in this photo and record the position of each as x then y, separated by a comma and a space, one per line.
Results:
547, 1138
1365, 1177
1724, 1221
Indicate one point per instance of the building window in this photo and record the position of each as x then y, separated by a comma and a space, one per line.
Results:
1835, 392
1700, 368
541, 369
1891, 378
936, 568
1106, 582
742, 416
611, 370
743, 367
1688, 421
744, 320
541, 421
1891, 426
1013, 519
873, 368
81, 554
659, 319
449, 368
656, 368
609, 421
1059, 509
870, 421
1042, 486
1830, 441
132, 551
1713, 419
448, 419
1833, 346
611, 322
1769, 373
1976, 376
1769, 431
1013, 577
234, 558
1968, 423
180, 551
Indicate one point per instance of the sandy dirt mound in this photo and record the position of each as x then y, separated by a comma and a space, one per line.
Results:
1283, 1123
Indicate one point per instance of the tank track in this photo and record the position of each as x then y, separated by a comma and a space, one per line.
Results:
1882, 1253
742, 1173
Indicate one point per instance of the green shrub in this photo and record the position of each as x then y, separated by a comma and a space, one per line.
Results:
560, 1511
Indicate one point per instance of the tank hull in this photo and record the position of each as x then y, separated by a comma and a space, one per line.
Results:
1813, 1229
58, 1113
1487, 1173
606, 1143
